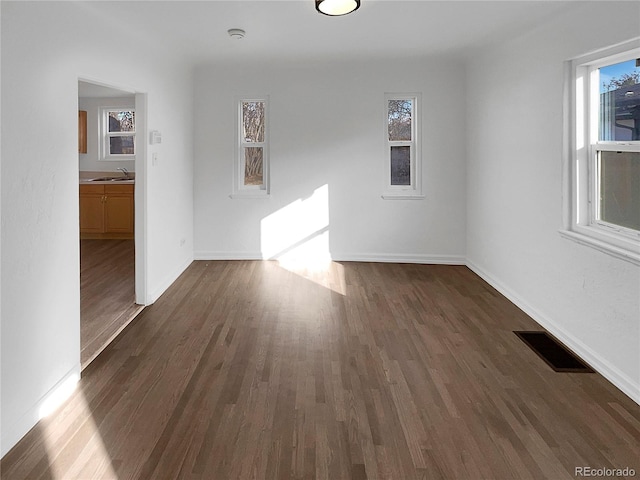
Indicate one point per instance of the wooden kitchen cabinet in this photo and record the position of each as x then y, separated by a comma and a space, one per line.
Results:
91, 209
106, 211
82, 131
118, 209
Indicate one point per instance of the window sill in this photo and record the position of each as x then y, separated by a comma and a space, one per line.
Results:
250, 195
394, 196
126, 158
628, 253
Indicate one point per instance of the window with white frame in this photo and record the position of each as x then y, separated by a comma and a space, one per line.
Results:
402, 148
118, 133
252, 156
604, 166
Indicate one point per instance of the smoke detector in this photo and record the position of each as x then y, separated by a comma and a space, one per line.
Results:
236, 33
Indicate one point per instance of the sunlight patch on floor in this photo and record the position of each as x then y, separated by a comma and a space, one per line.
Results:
58, 396
93, 460
326, 274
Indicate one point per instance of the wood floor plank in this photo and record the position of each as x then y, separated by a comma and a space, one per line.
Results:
107, 293
246, 369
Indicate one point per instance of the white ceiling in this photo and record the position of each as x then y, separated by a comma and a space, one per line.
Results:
293, 31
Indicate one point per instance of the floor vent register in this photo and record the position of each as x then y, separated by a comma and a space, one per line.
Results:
556, 355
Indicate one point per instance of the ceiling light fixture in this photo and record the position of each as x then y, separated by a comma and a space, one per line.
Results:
336, 8
236, 33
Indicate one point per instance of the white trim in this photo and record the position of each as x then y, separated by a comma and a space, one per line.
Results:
392, 196
250, 194
140, 205
11, 434
103, 145
579, 189
417, 258
404, 192
213, 255
627, 385
239, 190
345, 257
604, 247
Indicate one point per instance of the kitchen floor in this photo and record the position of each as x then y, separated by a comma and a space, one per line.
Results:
107, 293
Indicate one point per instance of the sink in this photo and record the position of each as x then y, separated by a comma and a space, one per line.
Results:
108, 179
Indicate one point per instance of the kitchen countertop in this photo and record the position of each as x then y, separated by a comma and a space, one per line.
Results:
86, 178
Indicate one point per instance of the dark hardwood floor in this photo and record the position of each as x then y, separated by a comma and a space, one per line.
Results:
247, 370
107, 293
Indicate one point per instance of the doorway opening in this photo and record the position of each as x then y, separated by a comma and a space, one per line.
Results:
111, 124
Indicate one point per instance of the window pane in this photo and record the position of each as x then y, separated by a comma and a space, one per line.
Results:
121, 145
399, 115
620, 102
253, 166
122, 121
401, 165
253, 121
620, 188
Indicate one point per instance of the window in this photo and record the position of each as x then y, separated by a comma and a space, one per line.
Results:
604, 168
402, 154
118, 127
251, 172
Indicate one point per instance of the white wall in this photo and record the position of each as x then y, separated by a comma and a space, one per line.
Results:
89, 161
492, 144
514, 186
46, 48
327, 128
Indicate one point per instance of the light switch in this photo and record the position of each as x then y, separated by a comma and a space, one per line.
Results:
154, 159
155, 137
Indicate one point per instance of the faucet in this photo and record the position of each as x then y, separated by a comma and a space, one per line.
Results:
124, 171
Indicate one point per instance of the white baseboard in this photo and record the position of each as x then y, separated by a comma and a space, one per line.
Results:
11, 434
345, 257
399, 258
211, 255
167, 282
622, 381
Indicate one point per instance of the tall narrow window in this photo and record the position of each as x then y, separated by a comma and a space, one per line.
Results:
616, 145
118, 127
252, 155
402, 155
603, 168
